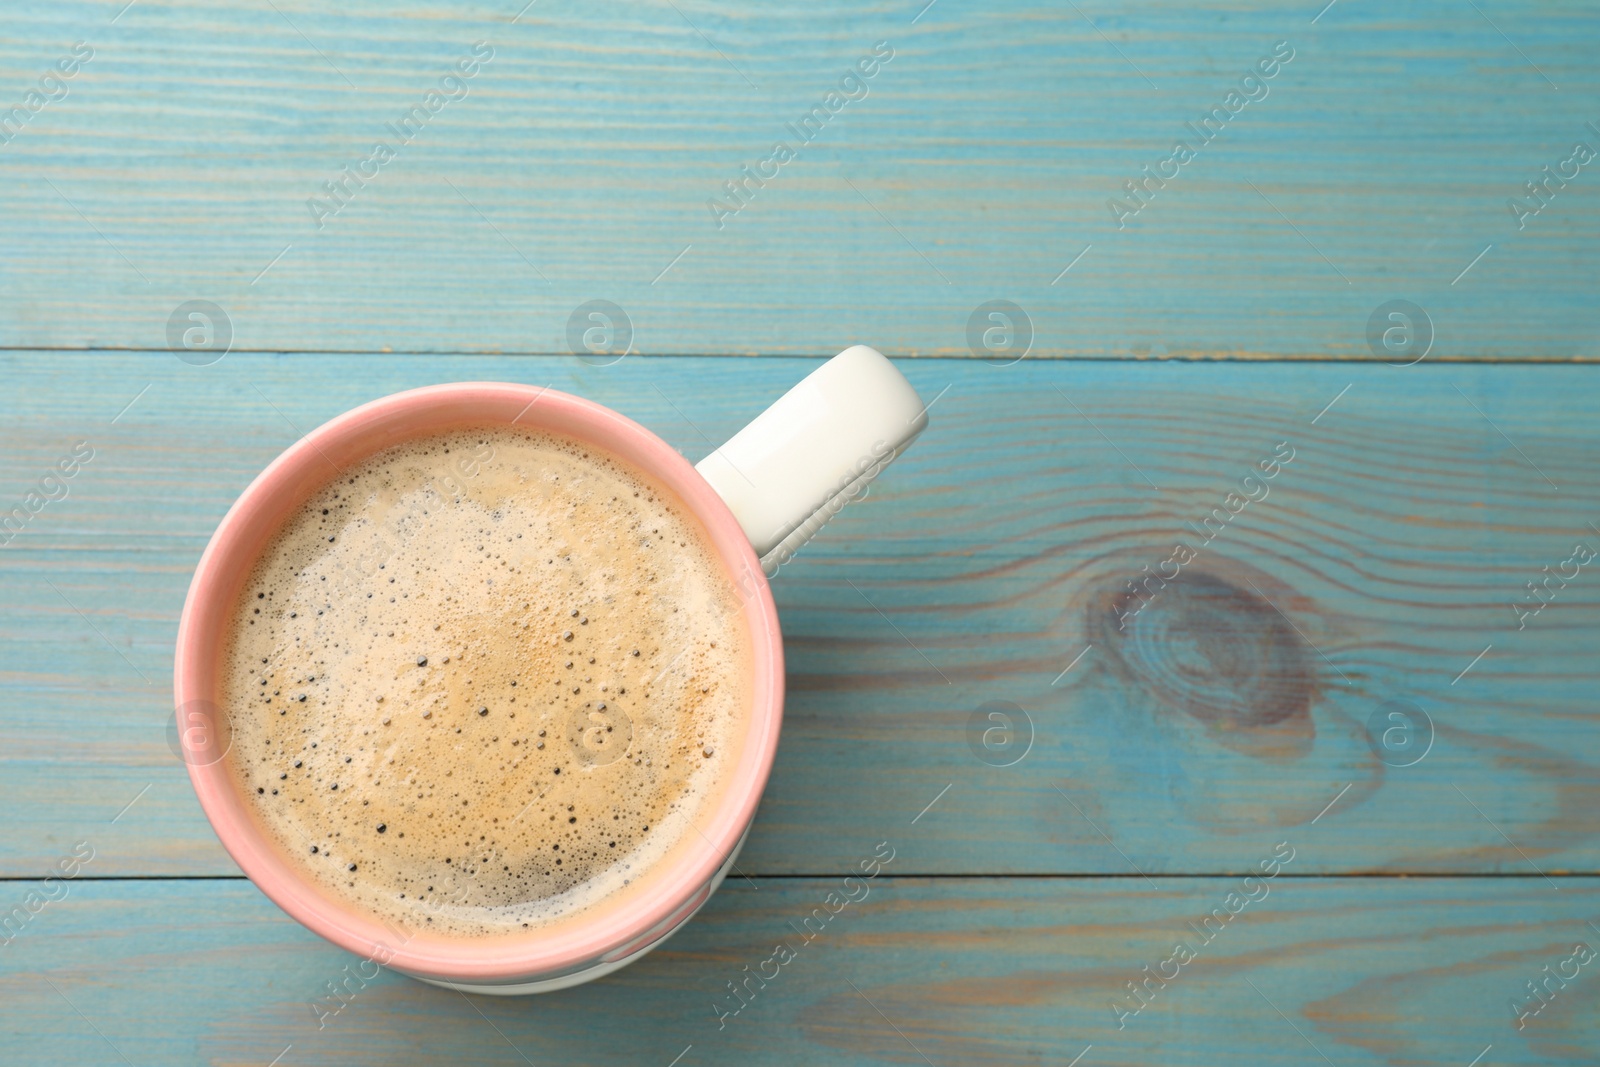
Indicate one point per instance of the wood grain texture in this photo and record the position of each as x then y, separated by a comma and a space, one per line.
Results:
978, 166
987, 667
1235, 705
982, 972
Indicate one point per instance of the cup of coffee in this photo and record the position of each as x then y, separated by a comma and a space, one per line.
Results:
483, 681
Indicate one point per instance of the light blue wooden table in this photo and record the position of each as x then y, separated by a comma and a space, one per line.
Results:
1348, 672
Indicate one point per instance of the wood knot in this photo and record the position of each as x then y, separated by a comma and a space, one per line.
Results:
1215, 650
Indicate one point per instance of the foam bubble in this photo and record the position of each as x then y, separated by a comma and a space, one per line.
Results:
485, 680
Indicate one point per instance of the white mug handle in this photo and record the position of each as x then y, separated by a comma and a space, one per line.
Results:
814, 450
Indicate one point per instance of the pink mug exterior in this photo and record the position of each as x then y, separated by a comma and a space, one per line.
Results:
573, 950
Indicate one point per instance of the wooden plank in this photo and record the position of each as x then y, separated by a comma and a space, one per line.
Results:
992, 972
1387, 557
978, 167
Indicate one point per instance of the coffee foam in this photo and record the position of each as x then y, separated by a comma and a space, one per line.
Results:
485, 680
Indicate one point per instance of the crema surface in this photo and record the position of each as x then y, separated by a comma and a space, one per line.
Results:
484, 680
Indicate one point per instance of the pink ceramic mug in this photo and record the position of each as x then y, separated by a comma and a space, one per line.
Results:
758, 497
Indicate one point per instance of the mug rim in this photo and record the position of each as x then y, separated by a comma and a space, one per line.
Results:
567, 944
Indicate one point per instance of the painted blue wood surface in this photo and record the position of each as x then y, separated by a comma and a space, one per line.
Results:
978, 167
1242, 707
1395, 544
1369, 972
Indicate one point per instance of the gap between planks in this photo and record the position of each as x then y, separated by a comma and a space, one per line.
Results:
1013, 876
1316, 359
